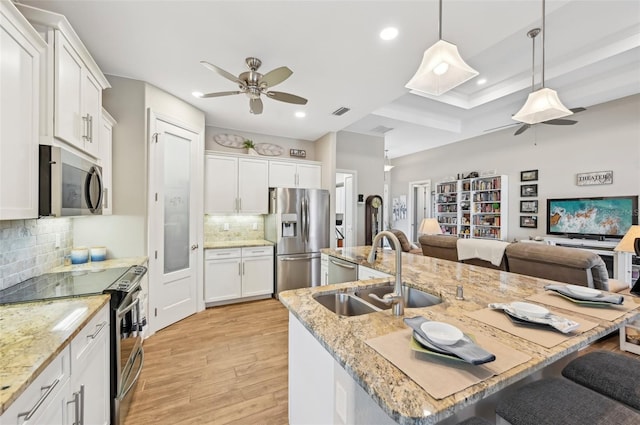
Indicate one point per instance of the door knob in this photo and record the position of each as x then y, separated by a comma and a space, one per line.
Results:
194, 247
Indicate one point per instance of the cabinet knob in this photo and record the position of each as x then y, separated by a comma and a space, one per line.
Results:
194, 247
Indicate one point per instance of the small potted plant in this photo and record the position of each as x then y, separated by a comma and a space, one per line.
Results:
250, 147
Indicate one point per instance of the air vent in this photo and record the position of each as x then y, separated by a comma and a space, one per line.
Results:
381, 129
340, 111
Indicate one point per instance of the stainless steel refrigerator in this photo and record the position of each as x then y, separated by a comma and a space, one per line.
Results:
298, 223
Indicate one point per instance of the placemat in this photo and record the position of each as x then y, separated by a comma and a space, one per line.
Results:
442, 377
606, 312
541, 336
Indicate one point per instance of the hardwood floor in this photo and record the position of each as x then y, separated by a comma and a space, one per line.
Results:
226, 365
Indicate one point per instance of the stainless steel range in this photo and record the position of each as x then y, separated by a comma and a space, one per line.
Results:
123, 284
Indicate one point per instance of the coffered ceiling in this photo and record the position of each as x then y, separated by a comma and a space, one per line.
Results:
338, 60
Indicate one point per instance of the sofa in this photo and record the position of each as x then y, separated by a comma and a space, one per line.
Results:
568, 265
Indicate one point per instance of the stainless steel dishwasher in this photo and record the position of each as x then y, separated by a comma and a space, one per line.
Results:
342, 271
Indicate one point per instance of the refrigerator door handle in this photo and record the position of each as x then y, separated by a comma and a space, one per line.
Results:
306, 213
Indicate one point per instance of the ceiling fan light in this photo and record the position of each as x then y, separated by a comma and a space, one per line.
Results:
442, 69
388, 167
542, 105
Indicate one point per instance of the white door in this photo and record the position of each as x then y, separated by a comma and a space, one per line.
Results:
349, 212
220, 185
174, 204
420, 206
309, 176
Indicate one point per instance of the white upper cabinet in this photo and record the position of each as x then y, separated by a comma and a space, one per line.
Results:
295, 174
20, 60
236, 185
71, 85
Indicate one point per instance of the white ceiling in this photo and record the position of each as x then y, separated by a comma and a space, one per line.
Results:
337, 58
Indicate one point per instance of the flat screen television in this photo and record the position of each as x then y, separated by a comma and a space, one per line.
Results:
593, 218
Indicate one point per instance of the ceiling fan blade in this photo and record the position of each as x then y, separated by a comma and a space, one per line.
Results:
560, 121
255, 106
275, 76
222, 93
502, 126
576, 110
222, 72
286, 97
522, 129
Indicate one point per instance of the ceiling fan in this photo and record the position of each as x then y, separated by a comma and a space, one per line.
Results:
557, 121
253, 84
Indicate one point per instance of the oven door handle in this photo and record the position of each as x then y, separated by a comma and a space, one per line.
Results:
135, 379
122, 311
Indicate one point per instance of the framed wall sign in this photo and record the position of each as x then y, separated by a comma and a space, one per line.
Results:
530, 221
596, 177
528, 176
528, 190
530, 207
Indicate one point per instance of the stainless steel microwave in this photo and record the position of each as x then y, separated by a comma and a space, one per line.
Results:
69, 185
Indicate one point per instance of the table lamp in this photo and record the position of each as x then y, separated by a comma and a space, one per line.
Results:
430, 226
631, 243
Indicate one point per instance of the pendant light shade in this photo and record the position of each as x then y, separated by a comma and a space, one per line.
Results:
387, 162
442, 67
544, 103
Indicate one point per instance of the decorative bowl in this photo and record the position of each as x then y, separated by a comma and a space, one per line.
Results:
79, 255
98, 253
442, 333
529, 310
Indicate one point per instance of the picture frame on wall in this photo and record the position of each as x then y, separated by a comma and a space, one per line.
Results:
529, 221
529, 175
530, 207
528, 190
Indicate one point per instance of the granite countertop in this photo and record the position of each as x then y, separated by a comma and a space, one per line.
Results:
29, 343
396, 393
236, 243
106, 264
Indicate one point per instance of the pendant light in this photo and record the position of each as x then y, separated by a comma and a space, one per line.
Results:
387, 162
543, 104
442, 68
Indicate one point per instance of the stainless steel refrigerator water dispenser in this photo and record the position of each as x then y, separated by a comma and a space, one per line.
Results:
289, 225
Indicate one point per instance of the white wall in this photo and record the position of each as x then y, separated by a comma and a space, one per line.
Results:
128, 101
607, 137
365, 154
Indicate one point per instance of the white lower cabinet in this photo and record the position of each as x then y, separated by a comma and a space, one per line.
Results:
89, 400
74, 387
237, 273
324, 269
366, 273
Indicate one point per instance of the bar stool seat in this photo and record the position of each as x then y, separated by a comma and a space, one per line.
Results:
612, 374
557, 401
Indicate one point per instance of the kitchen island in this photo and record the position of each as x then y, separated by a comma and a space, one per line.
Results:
378, 384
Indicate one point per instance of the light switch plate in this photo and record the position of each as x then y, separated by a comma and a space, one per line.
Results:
225, 227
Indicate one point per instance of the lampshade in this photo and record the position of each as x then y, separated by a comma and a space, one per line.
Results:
430, 226
441, 69
541, 105
627, 243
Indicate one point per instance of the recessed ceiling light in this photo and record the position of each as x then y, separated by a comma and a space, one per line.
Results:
481, 81
300, 114
389, 33
197, 94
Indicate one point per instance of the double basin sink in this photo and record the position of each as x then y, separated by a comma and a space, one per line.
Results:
359, 302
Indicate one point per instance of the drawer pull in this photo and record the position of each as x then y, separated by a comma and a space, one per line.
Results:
95, 334
43, 397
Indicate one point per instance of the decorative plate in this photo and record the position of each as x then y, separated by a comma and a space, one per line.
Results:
229, 140
269, 149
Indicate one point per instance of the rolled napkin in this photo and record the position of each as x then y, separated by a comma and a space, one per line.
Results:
601, 298
466, 349
560, 323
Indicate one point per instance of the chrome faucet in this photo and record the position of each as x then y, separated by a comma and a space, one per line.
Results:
396, 298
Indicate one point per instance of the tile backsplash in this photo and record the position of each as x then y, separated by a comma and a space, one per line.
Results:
28, 247
240, 227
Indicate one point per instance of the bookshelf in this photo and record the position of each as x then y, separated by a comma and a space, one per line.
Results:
473, 208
